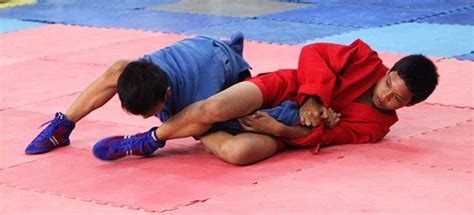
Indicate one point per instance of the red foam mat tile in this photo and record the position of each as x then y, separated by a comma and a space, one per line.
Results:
17, 129
270, 57
389, 59
176, 175
261, 56
108, 54
11, 60
350, 185
38, 80
111, 112
455, 84
57, 38
423, 118
23, 126
448, 148
20, 201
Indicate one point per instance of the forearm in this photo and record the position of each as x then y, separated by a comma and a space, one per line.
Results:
93, 97
188, 122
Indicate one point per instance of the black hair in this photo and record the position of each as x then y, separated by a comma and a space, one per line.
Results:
419, 74
141, 86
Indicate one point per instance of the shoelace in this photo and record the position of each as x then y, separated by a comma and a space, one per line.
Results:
47, 132
60, 116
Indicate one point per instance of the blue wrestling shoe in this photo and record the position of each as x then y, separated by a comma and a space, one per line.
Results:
116, 147
55, 135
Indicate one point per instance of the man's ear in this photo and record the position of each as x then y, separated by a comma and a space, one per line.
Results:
168, 91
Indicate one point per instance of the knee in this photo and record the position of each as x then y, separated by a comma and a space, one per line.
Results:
213, 110
238, 156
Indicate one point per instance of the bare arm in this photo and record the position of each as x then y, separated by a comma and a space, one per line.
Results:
97, 93
261, 122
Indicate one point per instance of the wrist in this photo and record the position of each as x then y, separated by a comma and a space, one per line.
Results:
279, 130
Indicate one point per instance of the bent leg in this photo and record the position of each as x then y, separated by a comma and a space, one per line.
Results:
241, 149
238, 100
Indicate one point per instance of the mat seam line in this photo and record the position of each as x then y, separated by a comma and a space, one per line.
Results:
78, 198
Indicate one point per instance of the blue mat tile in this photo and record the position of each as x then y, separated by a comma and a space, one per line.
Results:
355, 16
459, 17
434, 6
273, 31
52, 13
104, 17
469, 56
163, 21
410, 38
302, 1
9, 25
116, 4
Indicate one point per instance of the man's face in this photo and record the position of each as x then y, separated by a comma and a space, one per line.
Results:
154, 111
159, 107
391, 92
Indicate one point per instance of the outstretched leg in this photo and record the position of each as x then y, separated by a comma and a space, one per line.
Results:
241, 149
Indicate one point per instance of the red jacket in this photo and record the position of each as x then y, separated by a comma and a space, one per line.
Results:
338, 74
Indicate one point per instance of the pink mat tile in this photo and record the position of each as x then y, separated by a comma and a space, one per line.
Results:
389, 59
268, 57
111, 112
350, 185
255, 49
448, 148
21, 201
177, 175
38, 80
17, 129
455, 84
23, 126
57, 38
10, 60
131, 49
423, 118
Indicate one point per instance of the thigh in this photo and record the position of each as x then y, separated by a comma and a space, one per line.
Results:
238, 100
